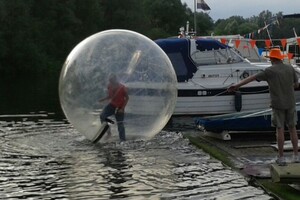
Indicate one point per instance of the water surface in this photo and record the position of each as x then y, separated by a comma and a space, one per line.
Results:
42, 158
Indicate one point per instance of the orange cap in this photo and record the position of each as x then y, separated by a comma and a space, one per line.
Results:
275, 53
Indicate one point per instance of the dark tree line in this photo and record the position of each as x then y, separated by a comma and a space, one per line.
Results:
279, 26
37, 35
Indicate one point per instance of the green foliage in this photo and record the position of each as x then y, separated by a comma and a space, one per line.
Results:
247, 27
234, 25
167, 16
37, 35
205, 24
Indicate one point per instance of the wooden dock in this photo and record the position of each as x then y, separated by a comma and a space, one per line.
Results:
254, 155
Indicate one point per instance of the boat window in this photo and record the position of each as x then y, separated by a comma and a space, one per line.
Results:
212, 57
295, 50
179, 65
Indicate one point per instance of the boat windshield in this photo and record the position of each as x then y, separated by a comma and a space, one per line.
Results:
212, 52
216, 56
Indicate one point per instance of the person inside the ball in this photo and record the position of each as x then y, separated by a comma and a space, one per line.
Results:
118, 98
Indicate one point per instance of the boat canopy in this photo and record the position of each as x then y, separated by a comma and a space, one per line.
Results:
178, 51
209, 44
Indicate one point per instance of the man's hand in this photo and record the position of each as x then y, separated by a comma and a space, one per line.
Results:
243, 82
232, 88
120, 110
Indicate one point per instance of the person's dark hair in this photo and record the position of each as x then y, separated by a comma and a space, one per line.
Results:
113, 78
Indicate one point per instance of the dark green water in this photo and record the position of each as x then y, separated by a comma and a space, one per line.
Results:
19, 95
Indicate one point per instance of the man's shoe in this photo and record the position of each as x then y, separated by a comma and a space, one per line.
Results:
295, 159
281, 161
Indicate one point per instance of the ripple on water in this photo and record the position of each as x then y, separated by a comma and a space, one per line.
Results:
50, 160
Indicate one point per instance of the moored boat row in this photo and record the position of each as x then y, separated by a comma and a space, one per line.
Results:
205, 68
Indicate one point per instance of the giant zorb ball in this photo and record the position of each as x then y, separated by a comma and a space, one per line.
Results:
138, 63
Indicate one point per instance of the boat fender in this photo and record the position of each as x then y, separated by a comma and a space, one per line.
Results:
245, 74
238, 101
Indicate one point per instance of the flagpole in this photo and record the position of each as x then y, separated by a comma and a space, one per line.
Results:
195, 23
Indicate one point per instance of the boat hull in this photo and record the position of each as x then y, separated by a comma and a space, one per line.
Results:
211, 105
252, 98
259, 120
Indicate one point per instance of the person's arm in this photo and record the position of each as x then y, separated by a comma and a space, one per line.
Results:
104, 99
241, 83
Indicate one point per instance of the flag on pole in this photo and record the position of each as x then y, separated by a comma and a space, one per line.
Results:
202, 5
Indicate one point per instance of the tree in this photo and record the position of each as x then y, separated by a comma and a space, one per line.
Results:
247, 27
205, 23
165, 17
16, 34
125, 14
229, 26
90, 16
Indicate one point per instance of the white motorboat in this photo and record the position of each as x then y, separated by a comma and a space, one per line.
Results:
205, 68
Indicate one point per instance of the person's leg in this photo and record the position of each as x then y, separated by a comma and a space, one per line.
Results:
291, 120
278, 118
294, 139
107, 111
280, 141
121, 127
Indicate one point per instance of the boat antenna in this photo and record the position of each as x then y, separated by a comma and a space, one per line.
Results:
187, 28
195, 17
295, 32
268, 32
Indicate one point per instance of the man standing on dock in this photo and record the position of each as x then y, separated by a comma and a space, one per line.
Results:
282, 81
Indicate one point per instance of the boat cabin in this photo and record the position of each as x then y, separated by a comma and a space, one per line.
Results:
187, 55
